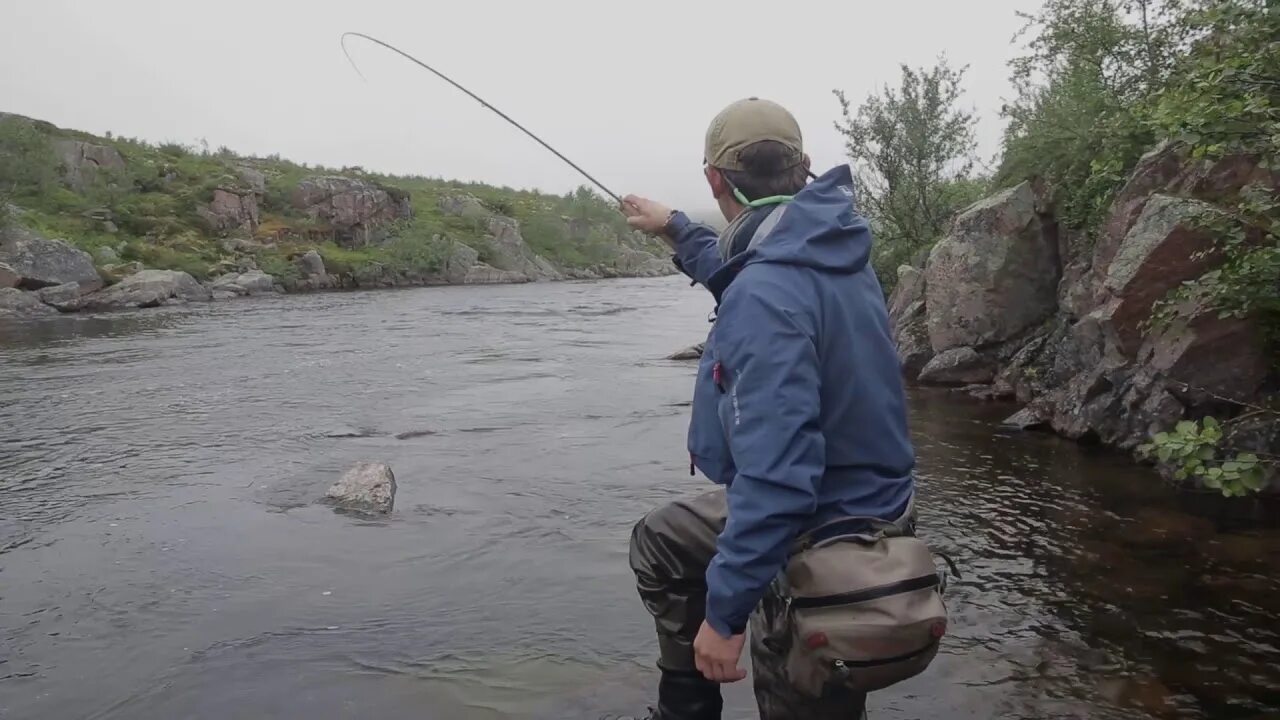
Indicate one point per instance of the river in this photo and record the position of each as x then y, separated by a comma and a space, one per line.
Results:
162, 555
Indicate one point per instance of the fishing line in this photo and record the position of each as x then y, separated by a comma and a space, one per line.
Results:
479, 99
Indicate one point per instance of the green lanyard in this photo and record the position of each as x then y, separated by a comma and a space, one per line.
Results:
771, 200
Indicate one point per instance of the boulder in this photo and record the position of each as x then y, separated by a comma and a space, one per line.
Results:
1028, 418
458, 262
15, 303
314, 275
83, 162
510, 252
1118, 404
311, 263
65, 297
1164, 248
995, 274
116, 273
149, 288
1189, 352
908, 292
1169, 170
958, 366
507, 248
254, 179
231, 209
253, 282
466, 206
911, 334
106, 256
41, 262
693, 352
1029, 373
8, 277
632, 262
482, 274
366, 487
355, 209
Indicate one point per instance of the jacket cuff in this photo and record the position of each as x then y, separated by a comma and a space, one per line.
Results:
723, 626
676, 225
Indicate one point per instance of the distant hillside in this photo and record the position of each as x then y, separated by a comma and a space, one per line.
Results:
207, 213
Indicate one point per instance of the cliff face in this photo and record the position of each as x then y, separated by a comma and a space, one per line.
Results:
1018, 308
95, 210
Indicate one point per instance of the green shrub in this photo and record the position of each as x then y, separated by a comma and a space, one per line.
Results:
1193, 450
279, 267
162, 257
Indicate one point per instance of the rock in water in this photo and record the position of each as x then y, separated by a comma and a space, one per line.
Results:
149, 288
958, 366
16, 303
1028, 418
41, 262
367, 487
65, 297
8, 277
253, 282
692, 352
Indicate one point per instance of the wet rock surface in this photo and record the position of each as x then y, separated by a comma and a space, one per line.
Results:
366, 487
1063, 323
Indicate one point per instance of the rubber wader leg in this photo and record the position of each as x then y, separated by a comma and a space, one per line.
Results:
671, 548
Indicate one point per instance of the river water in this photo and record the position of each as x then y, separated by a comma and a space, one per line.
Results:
162, 555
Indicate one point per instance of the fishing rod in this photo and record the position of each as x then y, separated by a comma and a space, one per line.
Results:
479, 99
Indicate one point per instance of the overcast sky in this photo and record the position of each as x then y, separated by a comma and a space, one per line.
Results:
624, 88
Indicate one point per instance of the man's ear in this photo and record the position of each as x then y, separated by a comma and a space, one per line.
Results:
715, 178
806, 162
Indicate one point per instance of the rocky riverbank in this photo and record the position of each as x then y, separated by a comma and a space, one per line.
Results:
104, 223
1011, 306
45, 276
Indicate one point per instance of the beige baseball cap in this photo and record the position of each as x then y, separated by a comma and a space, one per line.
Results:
747, 122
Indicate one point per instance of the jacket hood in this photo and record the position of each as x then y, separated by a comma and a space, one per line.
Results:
818, 228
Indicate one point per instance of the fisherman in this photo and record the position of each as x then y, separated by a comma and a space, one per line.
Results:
798, 412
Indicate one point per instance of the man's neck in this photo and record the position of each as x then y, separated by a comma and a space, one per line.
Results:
731, 209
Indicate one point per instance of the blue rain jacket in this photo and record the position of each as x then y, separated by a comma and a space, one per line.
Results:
799, 405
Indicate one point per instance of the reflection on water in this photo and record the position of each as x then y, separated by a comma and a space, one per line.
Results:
162, 556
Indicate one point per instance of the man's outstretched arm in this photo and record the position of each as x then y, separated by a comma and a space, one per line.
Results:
694, 243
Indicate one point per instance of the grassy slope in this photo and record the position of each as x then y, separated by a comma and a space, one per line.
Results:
154, 205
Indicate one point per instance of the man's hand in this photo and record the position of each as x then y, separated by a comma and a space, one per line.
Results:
717, 657
644, 214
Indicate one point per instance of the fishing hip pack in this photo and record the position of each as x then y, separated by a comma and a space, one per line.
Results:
864, 607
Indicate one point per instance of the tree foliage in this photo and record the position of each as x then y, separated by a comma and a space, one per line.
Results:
1083, 95
913, 150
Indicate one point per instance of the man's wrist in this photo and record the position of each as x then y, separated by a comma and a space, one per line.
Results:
676, 222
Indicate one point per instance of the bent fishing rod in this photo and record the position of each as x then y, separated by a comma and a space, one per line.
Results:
477, 98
